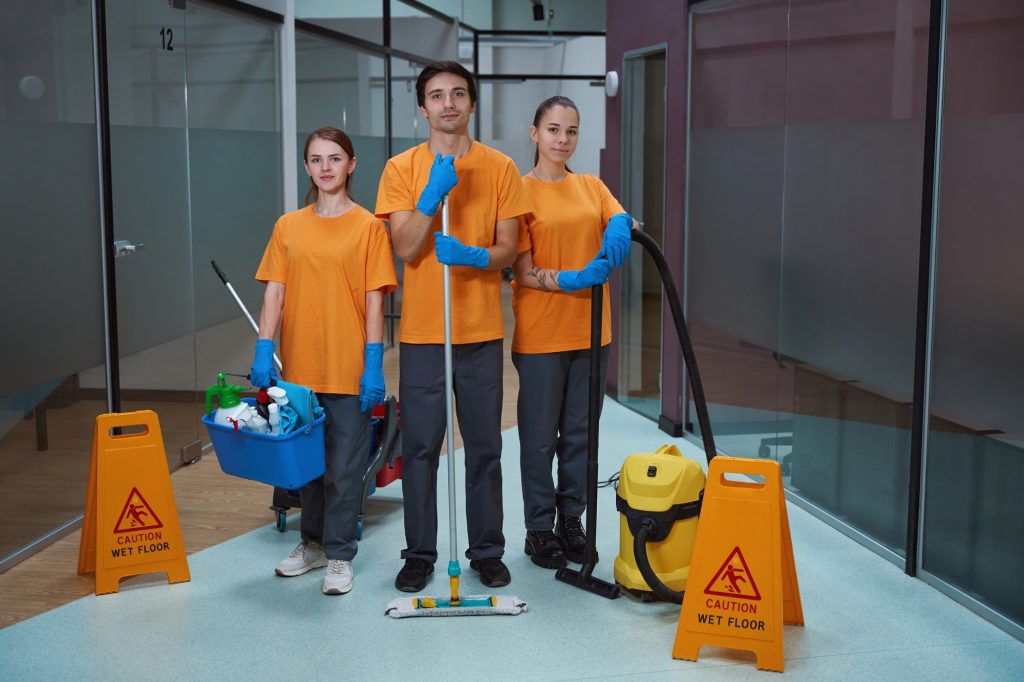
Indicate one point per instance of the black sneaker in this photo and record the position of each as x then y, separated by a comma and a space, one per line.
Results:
413, 576
493, 573
570, 531
544, 549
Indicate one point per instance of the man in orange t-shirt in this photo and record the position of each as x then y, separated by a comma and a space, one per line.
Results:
485, 197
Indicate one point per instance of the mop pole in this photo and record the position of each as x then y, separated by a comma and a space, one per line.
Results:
453, 561
245, 311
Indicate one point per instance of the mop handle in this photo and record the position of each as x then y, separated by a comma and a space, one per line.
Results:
245, 311
449, 416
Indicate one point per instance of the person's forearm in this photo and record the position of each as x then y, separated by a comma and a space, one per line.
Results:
506, 236
532, 276
537, 277
273, 309
375, 316
410, 231
500, 256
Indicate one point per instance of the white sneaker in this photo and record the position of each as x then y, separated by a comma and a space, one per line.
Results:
339, 577
306, 557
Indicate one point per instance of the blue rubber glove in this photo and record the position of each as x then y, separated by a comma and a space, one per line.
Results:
451, 251
262, 373
616, 242
442, 180
596, 272
371, 386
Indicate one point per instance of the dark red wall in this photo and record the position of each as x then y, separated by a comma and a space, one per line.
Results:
632, 25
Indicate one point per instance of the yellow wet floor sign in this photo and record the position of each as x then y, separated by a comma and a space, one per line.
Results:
131, 523
742, 584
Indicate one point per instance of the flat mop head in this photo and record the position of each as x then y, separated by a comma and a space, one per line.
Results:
480, 605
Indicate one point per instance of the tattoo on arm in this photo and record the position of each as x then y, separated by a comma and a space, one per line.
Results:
545, 278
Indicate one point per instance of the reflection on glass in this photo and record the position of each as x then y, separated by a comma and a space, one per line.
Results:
643, 196
804, 204
853, 153
975, 460
51, 251
733, 246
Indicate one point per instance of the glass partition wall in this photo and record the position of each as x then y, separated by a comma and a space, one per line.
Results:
973, 522
181, 182
806, 162
51, 257
198, 159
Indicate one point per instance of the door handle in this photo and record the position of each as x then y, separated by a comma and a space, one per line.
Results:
123, 247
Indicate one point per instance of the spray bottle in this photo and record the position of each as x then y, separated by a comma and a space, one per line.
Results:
274, 419
228, 402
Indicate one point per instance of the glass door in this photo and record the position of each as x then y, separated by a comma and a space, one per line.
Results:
235, 185
52, 259
146, 46
643, 195
196, 157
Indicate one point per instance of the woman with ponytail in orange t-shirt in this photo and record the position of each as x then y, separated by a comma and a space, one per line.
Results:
326, 269
576, 234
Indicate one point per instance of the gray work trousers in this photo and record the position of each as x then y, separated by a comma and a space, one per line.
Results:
553, 408
330, 505
477, 379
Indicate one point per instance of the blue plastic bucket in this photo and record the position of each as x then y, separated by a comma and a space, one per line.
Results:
288, 461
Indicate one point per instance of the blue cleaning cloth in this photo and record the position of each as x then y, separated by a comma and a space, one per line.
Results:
289, 419
299, 402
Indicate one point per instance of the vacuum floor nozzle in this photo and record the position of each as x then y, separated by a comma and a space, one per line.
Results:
583, 580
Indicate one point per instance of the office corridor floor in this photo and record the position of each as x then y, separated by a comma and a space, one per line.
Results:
236, 620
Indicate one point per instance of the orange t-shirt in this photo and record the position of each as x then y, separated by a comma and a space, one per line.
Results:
564, 233
327, 265
489, 190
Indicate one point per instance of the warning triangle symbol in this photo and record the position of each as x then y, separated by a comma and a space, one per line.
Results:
734, 579
137, 515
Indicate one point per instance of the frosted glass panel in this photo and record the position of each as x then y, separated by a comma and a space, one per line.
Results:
806, 149
50, 258
975, 461
235, 192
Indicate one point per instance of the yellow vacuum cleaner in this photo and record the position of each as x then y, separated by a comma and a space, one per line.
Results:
659, 497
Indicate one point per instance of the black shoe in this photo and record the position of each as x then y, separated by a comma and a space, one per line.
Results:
413, 576
544, 549
493, 573
570, 531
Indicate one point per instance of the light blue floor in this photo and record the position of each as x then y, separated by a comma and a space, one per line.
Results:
236, 620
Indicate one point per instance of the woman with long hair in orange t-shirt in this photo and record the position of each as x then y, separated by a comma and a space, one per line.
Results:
576, 234
326, 269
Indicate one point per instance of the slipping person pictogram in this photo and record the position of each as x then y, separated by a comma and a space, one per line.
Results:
734, 579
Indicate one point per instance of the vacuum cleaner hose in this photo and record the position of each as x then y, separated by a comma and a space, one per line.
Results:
644, 564
689, 358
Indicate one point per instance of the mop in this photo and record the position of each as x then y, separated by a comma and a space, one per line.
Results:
455, 605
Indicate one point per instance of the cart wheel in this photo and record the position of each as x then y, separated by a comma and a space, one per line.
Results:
359, 529
282, 521
647, 597
764, 452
